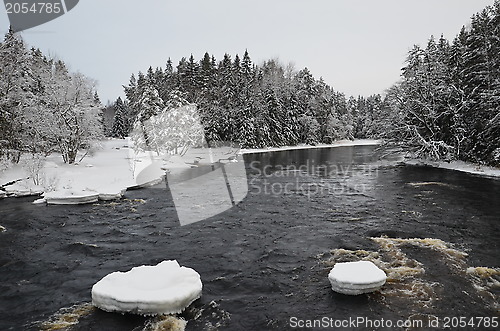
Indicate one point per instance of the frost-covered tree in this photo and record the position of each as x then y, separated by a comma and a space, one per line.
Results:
72, 116
43, 107
15, 81
447, 103
254, 105
119, 129
174, 130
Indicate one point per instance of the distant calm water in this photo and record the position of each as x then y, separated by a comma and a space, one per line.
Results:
264, 263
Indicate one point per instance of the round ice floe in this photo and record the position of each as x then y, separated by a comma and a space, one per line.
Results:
355, 278
166, 288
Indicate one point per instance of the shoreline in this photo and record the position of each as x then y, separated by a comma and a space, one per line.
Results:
340, 143
462, 166
111, 165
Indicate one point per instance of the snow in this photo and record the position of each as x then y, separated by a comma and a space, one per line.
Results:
110, 195
70, 197
20, 190
39, 201
467, 167
355, 278
340, 143
166, 288
108, 173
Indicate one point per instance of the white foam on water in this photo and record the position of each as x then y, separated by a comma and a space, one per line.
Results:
166, 323
485, 281
67, 317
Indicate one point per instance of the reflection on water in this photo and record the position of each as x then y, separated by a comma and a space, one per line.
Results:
266, 260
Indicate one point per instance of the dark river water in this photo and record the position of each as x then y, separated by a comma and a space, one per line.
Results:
264, 263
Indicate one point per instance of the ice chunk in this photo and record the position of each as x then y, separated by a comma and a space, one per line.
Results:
166, 288
355, 278
70, 197
107, 195
39, 201
23, 189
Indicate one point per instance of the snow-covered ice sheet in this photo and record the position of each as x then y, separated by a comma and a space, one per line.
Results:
166, 288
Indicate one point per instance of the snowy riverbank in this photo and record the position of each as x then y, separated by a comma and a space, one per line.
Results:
106, 174
462, 166
116, 167
340, 143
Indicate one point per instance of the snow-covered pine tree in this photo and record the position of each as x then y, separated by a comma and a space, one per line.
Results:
481, 77
119, 129
14, 86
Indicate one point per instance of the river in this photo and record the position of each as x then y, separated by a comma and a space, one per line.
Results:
264, 263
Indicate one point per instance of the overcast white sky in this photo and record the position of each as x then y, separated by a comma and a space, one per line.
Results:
357, 46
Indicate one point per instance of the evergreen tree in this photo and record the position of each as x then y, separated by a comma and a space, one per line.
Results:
14, 84
119, 129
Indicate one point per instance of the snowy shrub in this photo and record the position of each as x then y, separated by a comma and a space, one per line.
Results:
171, 131
51, 183
5, 163
33, 164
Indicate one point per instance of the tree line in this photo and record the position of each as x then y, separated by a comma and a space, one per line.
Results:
446, 105
239, 101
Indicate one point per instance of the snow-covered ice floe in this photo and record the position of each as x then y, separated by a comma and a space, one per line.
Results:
111, 195
166, 288
355, 278
70, 197
18, 190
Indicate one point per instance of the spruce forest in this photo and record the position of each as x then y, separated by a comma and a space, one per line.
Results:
446, 105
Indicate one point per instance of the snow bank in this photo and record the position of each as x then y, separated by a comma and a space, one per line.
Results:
340, 143
108, 173
166, 288
355, 278
22, 190
459, 166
